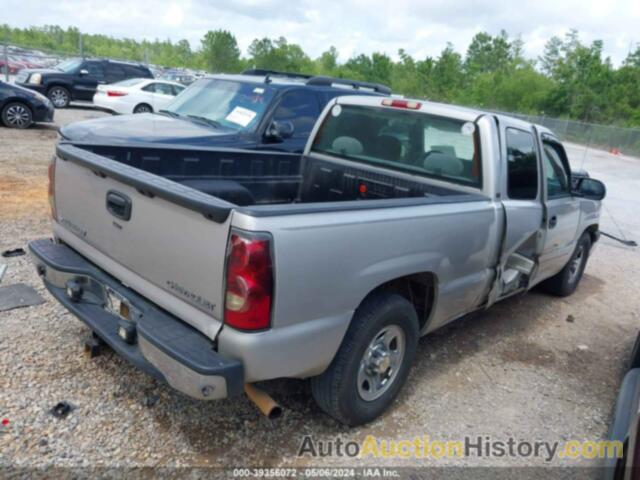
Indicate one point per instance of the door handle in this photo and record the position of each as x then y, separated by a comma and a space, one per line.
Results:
119, 205
553, 221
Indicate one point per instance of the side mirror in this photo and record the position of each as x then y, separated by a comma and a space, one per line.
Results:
83, 72
590, 188
279, 130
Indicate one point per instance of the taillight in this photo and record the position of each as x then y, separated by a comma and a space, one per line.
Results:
249, 288
394, 102
115, 93
51, 189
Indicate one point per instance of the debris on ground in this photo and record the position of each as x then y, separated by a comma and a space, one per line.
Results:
15, 252
571, 318
18, 295
3, 269
583, 348
151, 401
61, 409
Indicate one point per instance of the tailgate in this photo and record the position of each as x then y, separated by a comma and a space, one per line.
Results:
170, 246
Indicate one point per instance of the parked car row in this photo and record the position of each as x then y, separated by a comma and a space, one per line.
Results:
14, 63
78, 79
118, 87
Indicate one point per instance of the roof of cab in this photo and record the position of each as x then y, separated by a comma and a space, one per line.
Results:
442, 108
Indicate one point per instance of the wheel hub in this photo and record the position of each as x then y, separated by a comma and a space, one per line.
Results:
381, 362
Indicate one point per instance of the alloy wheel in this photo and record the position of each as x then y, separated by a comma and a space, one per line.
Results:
58, 97
18, 116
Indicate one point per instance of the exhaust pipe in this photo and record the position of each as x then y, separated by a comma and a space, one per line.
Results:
265, 403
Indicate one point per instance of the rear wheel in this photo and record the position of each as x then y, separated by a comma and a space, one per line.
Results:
59, 96
143, 108
566, 281
17, 115
372, 363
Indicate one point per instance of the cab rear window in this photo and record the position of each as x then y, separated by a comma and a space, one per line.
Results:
409, 141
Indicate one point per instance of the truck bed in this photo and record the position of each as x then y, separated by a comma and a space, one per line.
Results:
254, 179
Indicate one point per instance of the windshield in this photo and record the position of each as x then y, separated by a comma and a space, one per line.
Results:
68, 65
229, 104
413, 142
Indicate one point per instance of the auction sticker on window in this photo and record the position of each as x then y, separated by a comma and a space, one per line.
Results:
241, 116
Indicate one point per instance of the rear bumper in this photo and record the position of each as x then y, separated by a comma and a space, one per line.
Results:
166, 348
112, 104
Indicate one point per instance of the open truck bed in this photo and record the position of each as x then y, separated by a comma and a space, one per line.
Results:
243, 178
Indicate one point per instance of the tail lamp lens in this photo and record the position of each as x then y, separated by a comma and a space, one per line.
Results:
51, 189
115, 93
249, 282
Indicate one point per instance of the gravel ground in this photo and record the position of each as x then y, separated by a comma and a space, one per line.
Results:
533, 367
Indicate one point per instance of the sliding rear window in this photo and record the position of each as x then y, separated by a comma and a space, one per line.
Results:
408, 141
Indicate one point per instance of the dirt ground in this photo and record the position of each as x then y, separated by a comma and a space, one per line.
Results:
534, 367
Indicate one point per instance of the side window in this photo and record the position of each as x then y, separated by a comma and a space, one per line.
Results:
132, 72
177, 90
114, 73
301, 109
522, 165
164, 89
94, 69
556, 176
151, 88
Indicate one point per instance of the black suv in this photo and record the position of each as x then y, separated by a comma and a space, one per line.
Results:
77, 79
256, 110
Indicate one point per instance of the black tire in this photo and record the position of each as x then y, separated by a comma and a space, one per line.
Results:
143, 108
565, 282
59, 96
337, 390
635, 354
17, 115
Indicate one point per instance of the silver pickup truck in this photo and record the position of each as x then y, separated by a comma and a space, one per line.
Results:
211, 269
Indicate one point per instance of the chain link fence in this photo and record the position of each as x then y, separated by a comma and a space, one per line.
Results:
605, 137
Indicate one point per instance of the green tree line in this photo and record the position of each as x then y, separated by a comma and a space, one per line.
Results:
571, 79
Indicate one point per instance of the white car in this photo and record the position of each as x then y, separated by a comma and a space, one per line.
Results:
136, 95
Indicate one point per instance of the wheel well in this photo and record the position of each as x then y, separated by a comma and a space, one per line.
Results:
143, 103
592, 230
53, 85
16, 100
418, 288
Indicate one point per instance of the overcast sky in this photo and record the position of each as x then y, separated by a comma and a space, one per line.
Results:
421, 27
